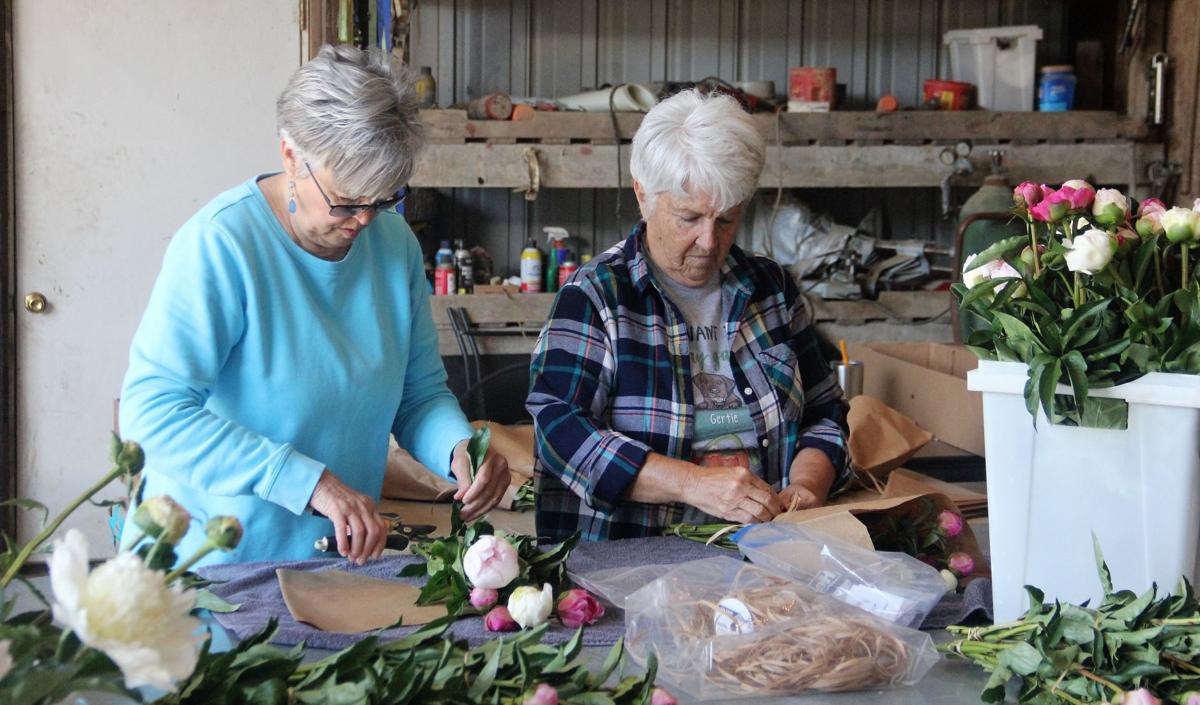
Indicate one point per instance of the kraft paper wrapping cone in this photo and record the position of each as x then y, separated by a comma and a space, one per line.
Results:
336, 601
515, 443
406, 478
631, 97
881, 438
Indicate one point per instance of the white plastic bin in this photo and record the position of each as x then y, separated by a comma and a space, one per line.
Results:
1000, 61
1050, 487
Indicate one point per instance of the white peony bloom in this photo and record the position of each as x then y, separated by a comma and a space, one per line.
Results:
6, 659
125, 610
973, 273
1110, 207
1181, 224
1090, 252
491, 562
1196, 205
529, 607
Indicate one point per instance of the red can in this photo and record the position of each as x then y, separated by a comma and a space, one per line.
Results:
445, 281
565, 270
812, 84
948, 95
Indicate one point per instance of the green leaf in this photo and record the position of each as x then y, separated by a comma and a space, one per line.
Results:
1022, 659
1082, 317
1017, 330
477, 448
28, 505
1000, 250
206, 600
1076, 367
483, 682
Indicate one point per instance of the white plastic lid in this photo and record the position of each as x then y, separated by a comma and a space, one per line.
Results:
986, 35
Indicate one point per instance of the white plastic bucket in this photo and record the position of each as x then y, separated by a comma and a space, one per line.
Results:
1050, 487
1000, 61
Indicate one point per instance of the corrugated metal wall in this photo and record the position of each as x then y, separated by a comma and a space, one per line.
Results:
551, 48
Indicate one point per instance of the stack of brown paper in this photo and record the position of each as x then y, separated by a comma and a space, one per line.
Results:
336, 601
407, 478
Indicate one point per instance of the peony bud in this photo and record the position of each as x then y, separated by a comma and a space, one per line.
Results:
662, 696
224, 532
1090, 252
529, 606
499, 620
1080, 194
544, 694
491, 562
1150, 224
1027, 195
1141, 696
483, 598
1110, 206
950, 579
1152, 205
1196, 207
1192, 698
950, 523
161, 516
577, 608
127, 454
1180, 224
961, 563
1053, 208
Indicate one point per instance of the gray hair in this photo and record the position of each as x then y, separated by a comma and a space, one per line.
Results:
692, 144
355, 113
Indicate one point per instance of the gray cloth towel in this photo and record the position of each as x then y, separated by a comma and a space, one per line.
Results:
256, 587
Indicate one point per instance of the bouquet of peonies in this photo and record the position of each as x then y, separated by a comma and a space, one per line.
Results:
1100, 291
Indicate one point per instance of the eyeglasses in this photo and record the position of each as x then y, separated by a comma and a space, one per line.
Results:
349, 210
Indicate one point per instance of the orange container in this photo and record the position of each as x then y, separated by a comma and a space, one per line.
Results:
812, 85
948, 95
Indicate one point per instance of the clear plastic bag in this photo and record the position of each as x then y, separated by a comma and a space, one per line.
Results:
893, 586
721, 627
613, 585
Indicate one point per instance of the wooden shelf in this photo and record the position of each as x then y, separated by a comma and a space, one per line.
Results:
521, 316
840, 149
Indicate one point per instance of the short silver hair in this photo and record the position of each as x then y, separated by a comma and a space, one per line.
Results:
353, 112
692, 144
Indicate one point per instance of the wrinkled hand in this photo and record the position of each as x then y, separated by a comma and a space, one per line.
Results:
796, 496
361, 533
732, 493
491, 480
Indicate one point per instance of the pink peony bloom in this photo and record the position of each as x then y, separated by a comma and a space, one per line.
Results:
544, 694
961, 563
483, 598
1141, 696
1192, 698
578, 607
1152, 205
1150, 224
499, 620
491, 562
1054, 207
950, 523
1027, 195
1078, 199
661, 696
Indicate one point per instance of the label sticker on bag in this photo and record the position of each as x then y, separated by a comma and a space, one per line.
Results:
733, 617
875, 601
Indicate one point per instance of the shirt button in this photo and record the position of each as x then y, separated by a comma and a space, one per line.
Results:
748, 392
765, 442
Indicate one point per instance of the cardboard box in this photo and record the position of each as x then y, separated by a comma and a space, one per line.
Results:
928, 383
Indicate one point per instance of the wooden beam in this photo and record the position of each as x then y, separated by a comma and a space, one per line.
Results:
1183, 128
596, 166
452, 126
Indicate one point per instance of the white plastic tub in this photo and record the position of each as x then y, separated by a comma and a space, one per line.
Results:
1000, 61
1050, 487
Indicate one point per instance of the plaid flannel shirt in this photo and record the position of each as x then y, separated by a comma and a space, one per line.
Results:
610, 383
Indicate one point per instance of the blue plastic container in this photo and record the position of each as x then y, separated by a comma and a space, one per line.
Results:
1056, 89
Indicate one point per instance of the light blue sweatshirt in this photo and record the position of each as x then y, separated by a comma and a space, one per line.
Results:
257, 364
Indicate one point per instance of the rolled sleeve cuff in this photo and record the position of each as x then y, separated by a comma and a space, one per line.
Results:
294, 480
621, 459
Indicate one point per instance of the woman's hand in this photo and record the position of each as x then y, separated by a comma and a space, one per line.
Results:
361, 533
732, 493
811, 476
491, 480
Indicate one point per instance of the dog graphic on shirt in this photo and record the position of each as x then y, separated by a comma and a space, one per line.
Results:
713, 391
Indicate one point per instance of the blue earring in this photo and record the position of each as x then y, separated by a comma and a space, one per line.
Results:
291, 197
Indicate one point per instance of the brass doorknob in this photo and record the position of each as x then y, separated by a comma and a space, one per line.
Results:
35, 302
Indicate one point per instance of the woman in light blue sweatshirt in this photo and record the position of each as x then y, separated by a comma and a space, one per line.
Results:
289, 333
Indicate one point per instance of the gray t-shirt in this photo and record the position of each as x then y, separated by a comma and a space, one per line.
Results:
724, 431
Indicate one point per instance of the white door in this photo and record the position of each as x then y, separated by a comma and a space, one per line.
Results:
129, 116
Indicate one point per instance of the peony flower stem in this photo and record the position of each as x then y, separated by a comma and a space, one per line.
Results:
182, 568
1037, 260
50, 528
1183, 262
155, 549
1117, 276
1095, 678
1162, 290
1077, 290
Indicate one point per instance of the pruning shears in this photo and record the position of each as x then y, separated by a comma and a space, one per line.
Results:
400, 535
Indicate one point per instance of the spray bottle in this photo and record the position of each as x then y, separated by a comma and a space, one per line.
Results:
556, 239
